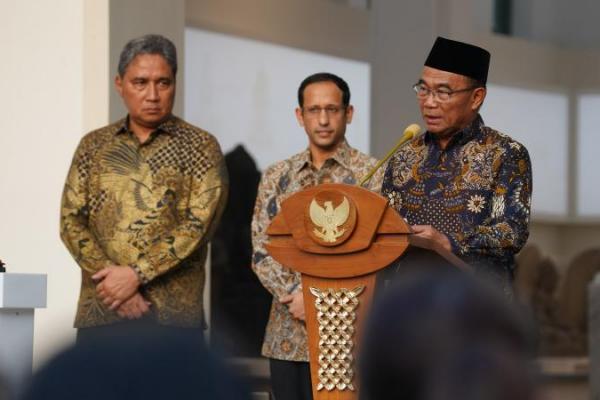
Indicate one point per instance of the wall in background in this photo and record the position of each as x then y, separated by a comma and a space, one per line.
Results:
588, 121
245, 92
43, 107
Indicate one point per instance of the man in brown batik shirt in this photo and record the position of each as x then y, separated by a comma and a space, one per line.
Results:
141, 200
324, 111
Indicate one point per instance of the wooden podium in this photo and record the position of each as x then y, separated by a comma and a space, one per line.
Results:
338, 236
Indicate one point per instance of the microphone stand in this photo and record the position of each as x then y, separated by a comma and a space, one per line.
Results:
410, 132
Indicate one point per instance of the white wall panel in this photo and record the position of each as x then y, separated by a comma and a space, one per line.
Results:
245, 91
588, 121
42, 123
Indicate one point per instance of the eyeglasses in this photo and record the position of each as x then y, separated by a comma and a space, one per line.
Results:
441, 95
315, 111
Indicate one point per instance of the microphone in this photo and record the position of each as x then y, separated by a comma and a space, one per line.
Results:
410, 132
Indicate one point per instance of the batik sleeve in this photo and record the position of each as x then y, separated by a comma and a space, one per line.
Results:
506, 230
276, 278
75, 229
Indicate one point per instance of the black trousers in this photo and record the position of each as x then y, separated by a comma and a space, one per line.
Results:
290, 380
146, 326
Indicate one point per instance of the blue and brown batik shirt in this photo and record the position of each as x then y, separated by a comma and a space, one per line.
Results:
477, 191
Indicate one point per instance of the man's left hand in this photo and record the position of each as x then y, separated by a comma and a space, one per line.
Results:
426, 236
118, 283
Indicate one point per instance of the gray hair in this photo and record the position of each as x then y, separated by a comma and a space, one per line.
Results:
148, 44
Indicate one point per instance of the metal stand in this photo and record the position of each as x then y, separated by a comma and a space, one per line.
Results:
20, 294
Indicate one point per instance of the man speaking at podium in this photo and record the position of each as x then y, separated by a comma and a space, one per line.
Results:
323, 110
463, 186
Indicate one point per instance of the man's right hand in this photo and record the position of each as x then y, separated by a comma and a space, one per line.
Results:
295, 303
117, 283
134, 307
427, 237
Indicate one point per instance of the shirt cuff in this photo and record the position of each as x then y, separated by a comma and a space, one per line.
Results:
143, 277
454, 245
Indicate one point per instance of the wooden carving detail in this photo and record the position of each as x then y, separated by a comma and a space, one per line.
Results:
336, 313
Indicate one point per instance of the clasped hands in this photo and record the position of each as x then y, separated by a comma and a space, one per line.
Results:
117, 287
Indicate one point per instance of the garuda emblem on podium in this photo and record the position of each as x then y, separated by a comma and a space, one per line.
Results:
331, 218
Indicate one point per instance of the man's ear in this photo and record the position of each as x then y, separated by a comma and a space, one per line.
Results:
119, 84
299, 116
349, 113
478, 97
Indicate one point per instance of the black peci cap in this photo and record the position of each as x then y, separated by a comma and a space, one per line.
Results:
459, 58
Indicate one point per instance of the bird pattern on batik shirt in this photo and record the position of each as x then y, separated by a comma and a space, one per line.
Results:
152, 206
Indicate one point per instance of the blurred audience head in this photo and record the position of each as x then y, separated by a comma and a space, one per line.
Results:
147, 365
446, 336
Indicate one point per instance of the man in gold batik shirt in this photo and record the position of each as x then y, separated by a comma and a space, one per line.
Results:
140, 203
324, 111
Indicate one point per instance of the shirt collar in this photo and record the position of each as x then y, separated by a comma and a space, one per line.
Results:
462, 136
341, 156
168, 126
